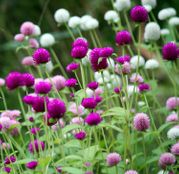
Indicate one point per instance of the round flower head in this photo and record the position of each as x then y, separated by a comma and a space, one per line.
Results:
91, 24
28, 79
93, 119
144, 87
120, 5
56, 108
47, 40
7, 169
172, 103
41, 55
175, 149
164, 32
72, 82
79, 52
27, 28
2, 82
34, 130
59, 82
152, 31
111, 16
28, 61
80, 135
42, 87
80, 42
151, 64
174, 21
76, 110
139, 14
166, 13
117, 90
152, 3
74, 22
49, 120
77, 120
31, 165
19, 37
136, 78
38, 103
123, 37
148, 7
173, 133
169, 51
131, 172
106, 52
33, 43
113, 159
141, 122
173, 117
89, 103
123, 59
93, 85
72, 66
10, 159
166, 159
61, 16
137, 61
83, 21
37, 31
34, 146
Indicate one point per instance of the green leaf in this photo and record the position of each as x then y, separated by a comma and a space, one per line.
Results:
70, 127
115, 111
24, 161
73, 170
70, 157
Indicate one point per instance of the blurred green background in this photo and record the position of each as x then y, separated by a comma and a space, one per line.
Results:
14, 12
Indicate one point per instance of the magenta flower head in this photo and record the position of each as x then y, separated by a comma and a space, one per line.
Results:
172, 103
139, 14
80, 42
123, 59
113, 159
80, 135
49, 120
117, 90
72, 82
131, 172
173, 117
123, 37
89, 103
7, 169
19, 37
31, 165
31, 119
72, 66
27, 28
41, 55
39, 103
79, 52
42, 87
93, 85
29, 99
59, 82
175, 149
169, 51
28, 79
106, 52
59, 169
141, 122
144, 87
36, 146
9, 160
56, 108
93, 119
34, 130
166, 159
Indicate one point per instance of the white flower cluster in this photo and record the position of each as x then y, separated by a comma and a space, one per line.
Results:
148, 7
164, 32
151, 64
173, 133
137, 61
151, 3
47, 40
62, 16
174, 21
88, 23
111, 16
120, 5
166, 13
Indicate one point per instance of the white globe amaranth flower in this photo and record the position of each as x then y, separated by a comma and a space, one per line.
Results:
98, 77
152, 3
120, 5
174, 21
137, 61
131, 89
164, 32
115, 80
74, 22
173, 133
84, 20
141, 103
111, 63
62, 16
47, 40
89, 92
37, 31
49, 66
92, 24
148, 7
166, 13
85, 60
151, 64
111, 16
152, 31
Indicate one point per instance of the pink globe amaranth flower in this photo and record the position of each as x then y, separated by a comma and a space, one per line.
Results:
166, 159
39, 103
169, 51
113, 159
131, 172
80, 135
172, 103
136, 78
126, 68
93, 119
144, 87
80, 42
12, 114
72, 66
76, 110
34, 130
89, 103
7, 169
19, 37
79, 52
173, 117
141, 122
33, 43
49, 120
28, 79
56, 108
27, 28
60, 124
123, 37
72, 82
117, 90
59, 169
98, 99
87, 164
31, 165
106, 52
10, 159
43, 87
2, 82
98, 91
59, 82
34, 146
28, 61
139, 14
5, 122
41, 55
175, 149
77, 120
93, 85
123, 59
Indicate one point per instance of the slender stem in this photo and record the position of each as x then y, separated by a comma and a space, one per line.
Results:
3, 98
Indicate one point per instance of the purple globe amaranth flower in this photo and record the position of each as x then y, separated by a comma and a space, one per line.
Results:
29, 99
123, 59
93, 85
59, 169
113, 159
172, 103
27, 28
49, 120
144, 87
106, 52
10, 159
80, 42
31, 165
117, 90
131, 172
80, 135
31, 119
175, 149
98, 99
89, 103
72, 66
42, 87
169, 51
56, 108
39, 103
166, 159
36, 146
41, 55
141, 122
93, 119
173, 117
7, 169
28, 79
34, 130
79, 52
72, 82
123, 37
139, 14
